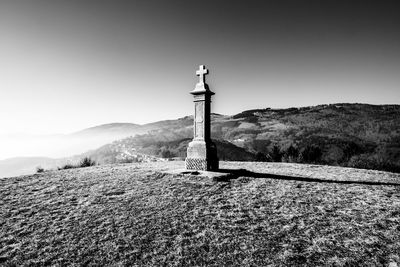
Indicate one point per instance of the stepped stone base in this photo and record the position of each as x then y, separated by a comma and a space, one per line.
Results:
202, 156
201, 164
196, 164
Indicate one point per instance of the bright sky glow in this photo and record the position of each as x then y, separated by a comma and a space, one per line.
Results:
69, 65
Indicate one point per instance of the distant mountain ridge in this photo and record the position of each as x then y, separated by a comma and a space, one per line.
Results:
109, 127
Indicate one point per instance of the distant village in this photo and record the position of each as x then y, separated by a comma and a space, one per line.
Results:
127, 154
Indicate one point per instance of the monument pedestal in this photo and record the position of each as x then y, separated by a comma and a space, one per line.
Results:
202, 152
202, 156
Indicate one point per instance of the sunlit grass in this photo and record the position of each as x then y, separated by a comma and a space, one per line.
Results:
133, 215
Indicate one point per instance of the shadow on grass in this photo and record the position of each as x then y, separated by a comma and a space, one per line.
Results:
236, 173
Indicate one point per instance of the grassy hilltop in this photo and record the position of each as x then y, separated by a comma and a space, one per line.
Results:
137, 214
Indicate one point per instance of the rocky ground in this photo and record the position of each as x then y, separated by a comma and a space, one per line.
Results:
148, 214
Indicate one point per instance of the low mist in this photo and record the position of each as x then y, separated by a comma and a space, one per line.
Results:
52, 146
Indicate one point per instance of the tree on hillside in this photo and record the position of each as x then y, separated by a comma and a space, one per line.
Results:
351, 149
311, 154
291, 154
166, 153
87, 162
261, 157
276, 154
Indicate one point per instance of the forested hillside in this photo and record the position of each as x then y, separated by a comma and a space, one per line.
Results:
355, 135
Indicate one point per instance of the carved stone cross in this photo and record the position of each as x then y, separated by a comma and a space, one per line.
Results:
201, 72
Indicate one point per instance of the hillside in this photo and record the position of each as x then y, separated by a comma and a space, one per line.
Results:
116, 129
355, 135
148, 148
279, 214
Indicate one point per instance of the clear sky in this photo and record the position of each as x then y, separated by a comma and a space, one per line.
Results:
67, 65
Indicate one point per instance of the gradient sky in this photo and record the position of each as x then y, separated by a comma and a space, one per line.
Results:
67, 65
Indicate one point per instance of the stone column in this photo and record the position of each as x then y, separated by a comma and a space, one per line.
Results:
202, 152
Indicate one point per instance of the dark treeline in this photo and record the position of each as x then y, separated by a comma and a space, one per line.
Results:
313, 154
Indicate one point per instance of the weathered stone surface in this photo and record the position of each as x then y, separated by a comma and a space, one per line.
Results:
202, 152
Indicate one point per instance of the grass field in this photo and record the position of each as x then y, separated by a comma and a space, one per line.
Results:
137, 214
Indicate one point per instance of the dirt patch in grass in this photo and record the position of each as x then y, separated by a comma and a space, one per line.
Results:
135, 214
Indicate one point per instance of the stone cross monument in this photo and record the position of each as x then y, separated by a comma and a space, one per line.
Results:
202, 152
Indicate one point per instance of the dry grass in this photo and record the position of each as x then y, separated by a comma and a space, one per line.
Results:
134, 214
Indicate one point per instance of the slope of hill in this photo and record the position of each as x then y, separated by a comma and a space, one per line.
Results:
60, 149
109, 129
277, 214
148, 148
340, 130
356, 135
120, 130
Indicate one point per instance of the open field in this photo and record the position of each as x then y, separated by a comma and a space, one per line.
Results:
138, 214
